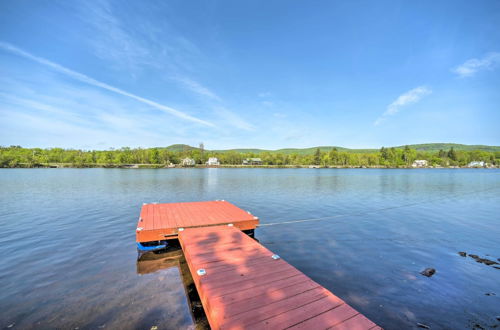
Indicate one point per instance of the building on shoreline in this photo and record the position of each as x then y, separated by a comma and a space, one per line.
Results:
188, 162
476, 164
420, 163
252, 161
213, 161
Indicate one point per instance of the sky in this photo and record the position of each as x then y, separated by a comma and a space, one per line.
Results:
248, 74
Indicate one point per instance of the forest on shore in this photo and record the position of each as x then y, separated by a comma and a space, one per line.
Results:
16, 156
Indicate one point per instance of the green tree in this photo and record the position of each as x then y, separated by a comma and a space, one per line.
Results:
317, 157
155, 156
452, 154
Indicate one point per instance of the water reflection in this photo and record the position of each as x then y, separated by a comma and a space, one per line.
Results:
151, 263
70, 255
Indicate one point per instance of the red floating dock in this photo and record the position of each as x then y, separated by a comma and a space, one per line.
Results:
165, 221
243, 285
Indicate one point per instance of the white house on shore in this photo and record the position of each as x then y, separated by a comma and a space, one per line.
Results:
252, 161
213, 161
420, 163
476, 164
188, 162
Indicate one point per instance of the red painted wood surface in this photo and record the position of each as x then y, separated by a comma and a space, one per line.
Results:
162, 221
245, 288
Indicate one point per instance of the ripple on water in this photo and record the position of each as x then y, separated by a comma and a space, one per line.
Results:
69, 252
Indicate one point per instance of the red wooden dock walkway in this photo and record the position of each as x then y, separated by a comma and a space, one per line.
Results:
164, 221
243, 285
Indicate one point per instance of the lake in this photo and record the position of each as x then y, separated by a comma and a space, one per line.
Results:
69, 254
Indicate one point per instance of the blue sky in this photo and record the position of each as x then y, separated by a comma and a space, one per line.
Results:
265, 74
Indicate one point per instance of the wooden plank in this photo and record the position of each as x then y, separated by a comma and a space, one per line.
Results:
268, 297
249, 317
359, 322
333, 317
162, 221
245, 288
269, 287
298, 315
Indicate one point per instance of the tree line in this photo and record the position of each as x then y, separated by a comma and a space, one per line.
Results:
16, 156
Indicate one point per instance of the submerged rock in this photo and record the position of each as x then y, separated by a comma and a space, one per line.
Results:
489, 262
462, 254
483, 260
428, 272
423, 326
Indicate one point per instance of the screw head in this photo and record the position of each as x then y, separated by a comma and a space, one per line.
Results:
201, 272
275, 257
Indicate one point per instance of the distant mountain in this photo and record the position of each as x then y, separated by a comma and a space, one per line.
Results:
180, 147
447, 146
433, 147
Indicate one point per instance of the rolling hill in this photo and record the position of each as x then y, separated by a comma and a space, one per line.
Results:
432, 147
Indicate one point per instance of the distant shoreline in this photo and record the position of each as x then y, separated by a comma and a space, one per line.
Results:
162, 166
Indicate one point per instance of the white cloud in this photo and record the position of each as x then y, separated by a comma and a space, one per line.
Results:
134, 47
488, 62
264, 94
88, 80
232, 119
198, 88
87, 117
410, 97
114, 41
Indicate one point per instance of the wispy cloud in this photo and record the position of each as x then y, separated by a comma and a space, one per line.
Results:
88, 80
198, 88
489, 61
92, 113
410, 97
161, 47
232, 119
114, 41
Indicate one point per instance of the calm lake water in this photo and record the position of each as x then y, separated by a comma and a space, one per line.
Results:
69, 255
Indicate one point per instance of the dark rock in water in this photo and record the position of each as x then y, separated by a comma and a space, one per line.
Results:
490, 294
498, 318
423, 326
428, 272
489, 262
483, 260
462, 254
496, 267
